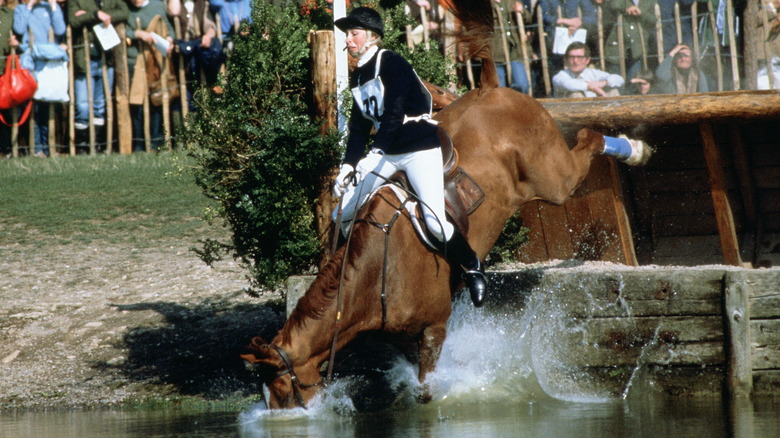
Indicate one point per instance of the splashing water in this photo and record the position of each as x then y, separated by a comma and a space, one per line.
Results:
512, 355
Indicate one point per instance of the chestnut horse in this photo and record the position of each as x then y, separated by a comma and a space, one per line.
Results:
510, 145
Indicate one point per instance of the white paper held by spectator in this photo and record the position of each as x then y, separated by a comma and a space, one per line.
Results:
107, 36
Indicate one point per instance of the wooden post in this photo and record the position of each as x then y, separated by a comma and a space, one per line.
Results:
621, 216
142, 56
90, 91
746, 185
14, 131
621, 46
714, 27
122, 87
767, 51
600, 27
695, 31
409, 29
31, 119
524, 49
732, 44
182, 74
677, 24
31, 132
322, 46
426, 34
14, 128
324, 77
109, 105
71, 95
736, 318
659, 34
504, 44
543, 52
644, 48
450, 42
723, 216
52, 137
166, 95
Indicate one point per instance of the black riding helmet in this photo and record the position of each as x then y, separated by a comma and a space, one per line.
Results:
362, 18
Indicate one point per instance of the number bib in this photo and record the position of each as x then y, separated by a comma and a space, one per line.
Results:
371, 96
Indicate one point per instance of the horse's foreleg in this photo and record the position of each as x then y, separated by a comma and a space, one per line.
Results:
630, 151
430, 349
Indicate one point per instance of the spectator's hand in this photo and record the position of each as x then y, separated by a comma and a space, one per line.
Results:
144, 36
104, 18
572, 23
677, 48
170, 46
79, 13
12, 41
633, 10
597, 87
424, 4
518, 7
205, 41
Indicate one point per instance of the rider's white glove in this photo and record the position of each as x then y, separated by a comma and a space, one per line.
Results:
367, 164
342, 180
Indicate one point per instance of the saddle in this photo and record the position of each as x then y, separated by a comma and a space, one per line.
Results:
462, 195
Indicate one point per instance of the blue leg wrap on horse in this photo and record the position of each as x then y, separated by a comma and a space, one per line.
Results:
619, 148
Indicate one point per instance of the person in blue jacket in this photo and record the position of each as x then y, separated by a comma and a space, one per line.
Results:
33, 19
391, 98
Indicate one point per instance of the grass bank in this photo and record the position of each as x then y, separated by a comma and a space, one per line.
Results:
138, 200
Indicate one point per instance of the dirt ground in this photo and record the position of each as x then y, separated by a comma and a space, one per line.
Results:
100, 326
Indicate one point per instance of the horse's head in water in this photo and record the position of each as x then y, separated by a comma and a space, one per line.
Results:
286, 389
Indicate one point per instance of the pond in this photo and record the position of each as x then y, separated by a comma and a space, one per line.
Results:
499, 375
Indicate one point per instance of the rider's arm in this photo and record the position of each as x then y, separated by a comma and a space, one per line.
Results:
359, 130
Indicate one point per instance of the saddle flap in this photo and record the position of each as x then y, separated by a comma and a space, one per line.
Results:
462, 195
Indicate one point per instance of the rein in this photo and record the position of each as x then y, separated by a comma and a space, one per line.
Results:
385, 229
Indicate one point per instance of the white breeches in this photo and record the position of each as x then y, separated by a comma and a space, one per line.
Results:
424, 171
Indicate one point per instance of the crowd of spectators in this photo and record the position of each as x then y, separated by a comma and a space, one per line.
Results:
35, 30
546, 48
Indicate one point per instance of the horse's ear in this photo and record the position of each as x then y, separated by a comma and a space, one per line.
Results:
258, 350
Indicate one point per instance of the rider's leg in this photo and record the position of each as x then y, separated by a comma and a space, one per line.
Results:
356, 196
425, 175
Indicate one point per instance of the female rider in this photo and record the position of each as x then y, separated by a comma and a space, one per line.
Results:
389, 96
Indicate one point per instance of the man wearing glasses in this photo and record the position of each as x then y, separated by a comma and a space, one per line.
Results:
579, 80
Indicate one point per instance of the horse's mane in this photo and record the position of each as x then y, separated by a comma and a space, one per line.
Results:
476, 34
324, 289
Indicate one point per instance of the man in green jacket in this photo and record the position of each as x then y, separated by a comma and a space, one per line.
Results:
638, 27
86, 14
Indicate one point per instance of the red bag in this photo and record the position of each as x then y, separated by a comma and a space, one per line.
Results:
17, 86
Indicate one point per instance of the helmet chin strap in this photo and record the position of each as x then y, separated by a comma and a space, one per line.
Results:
370, 43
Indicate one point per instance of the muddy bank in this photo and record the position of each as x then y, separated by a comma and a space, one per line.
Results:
101, 326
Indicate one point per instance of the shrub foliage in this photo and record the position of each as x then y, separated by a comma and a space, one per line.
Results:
258, 150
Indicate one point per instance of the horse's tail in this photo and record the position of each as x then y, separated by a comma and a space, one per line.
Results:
475, 36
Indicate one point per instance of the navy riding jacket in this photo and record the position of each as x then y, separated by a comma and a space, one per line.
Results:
404, 95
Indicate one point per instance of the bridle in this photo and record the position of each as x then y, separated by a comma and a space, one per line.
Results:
297, 385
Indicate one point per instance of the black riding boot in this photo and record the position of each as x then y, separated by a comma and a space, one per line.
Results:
459, 252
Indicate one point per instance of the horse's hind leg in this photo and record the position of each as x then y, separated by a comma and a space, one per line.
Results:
430, 348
